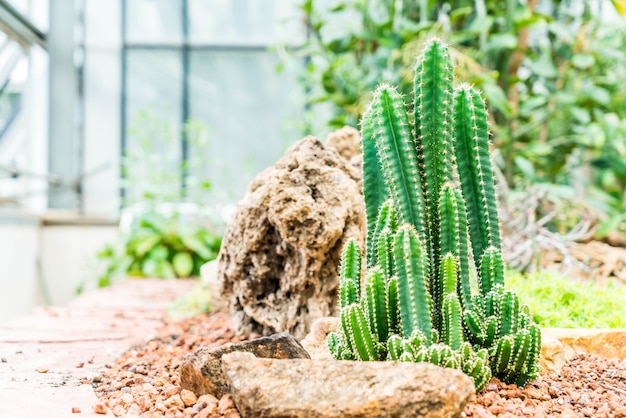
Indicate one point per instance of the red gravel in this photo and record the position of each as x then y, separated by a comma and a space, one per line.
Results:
587, 386
144, 381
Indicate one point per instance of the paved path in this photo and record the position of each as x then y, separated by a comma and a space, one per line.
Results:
47, 359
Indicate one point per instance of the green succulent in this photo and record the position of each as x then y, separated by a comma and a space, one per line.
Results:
431, 203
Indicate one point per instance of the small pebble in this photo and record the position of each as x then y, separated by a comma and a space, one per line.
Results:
100, 408
189, 398
226, 403
3, 359
76, 410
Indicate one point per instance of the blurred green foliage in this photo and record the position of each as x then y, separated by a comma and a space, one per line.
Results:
158, 246
164, 239
552, 72
560, 302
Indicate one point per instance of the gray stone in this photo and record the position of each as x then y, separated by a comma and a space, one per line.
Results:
310, 388
278, 265
201, 372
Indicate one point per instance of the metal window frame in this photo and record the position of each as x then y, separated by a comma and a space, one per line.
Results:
186, 48
20, 28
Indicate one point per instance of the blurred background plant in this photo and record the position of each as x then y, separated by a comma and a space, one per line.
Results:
166, 230
558, 301
551, 71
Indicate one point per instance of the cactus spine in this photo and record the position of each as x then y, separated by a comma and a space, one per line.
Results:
417, 303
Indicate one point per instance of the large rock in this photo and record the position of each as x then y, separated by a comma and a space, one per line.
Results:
347, 142
280, 253
201, 372
558, 345
310, 388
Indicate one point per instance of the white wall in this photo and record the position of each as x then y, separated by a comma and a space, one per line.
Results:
19, 246
68, 258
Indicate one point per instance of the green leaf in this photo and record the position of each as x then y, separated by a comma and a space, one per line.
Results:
183, 264
195, 244
502, 41
583, 61
145, 244
159, 252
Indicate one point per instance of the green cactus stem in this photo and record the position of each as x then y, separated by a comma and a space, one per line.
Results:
415, 301
433, 132
351, 263
453, 236
359, 334
387, 220
412, 267
475, 170
376, 191
398, 158
491, 270
376, 302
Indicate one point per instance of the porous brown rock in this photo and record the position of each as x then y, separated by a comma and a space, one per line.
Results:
278, 265
201, 372
315, 388
347, 142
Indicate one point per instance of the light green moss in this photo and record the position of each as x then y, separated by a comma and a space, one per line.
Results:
558, 301
198, 301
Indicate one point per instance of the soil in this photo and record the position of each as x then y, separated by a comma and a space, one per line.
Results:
144, 381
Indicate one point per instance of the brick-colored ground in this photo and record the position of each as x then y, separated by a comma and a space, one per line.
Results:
47, 359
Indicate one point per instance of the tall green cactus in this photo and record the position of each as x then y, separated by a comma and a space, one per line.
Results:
416, 303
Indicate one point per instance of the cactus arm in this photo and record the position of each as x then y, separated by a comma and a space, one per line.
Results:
452, 331
522, 346
474, 325
351, 264
359, 334
394, 347
387, 220
502, 355
374, 188
412, 268
337, 348
453, 237
376, 301
491, 331
451, 316
491, 270
433, 129
348, 293
397, 155
384, 253
392, 304
471, 145
509, 313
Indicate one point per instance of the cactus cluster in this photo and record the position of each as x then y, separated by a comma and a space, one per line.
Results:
432, 236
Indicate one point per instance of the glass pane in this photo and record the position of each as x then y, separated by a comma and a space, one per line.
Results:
20, 5
13, 82
153, 116
154, 21
244, 22
250, 112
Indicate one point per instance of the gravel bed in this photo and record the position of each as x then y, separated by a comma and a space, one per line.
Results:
144, 381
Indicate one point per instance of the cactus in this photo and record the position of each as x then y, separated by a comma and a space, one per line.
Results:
416, 302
